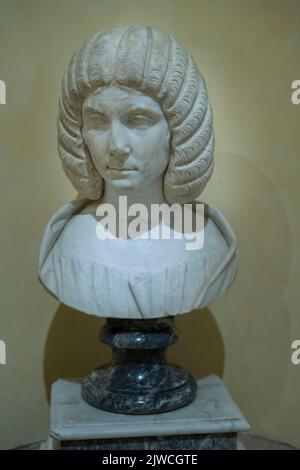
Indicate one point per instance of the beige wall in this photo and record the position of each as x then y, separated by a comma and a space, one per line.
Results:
248, 52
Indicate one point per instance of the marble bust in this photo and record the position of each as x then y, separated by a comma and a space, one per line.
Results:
134, 120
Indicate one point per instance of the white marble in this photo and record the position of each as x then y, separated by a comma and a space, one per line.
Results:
123, 278
135, 121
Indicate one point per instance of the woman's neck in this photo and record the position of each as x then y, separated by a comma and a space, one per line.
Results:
148, 195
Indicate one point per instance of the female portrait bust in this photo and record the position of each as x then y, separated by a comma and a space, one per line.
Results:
134, 120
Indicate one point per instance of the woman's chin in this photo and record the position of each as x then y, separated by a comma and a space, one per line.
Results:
129, 184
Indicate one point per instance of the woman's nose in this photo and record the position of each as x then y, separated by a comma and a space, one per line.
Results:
117, 146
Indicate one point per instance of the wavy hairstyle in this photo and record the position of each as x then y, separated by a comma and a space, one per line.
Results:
154, 63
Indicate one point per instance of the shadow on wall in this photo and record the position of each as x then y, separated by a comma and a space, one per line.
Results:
73, 347
200, 349
257, 324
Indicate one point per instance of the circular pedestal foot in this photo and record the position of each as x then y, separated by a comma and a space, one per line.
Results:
138, 380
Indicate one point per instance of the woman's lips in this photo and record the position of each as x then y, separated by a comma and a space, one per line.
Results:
121, 170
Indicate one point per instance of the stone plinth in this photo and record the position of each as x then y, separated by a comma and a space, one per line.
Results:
211, 421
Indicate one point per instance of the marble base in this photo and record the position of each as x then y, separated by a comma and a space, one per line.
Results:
139, 380
211, 421
225, 441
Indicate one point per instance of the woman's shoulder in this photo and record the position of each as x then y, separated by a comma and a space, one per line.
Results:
154, 275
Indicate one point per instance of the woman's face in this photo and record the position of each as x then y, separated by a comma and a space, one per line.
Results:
127, 135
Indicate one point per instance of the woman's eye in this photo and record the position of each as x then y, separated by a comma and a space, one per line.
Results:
140, 120
98, 120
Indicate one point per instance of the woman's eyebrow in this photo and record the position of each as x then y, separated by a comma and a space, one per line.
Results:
142, 109
91, 109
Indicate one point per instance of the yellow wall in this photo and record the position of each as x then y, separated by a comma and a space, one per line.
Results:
248, 52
